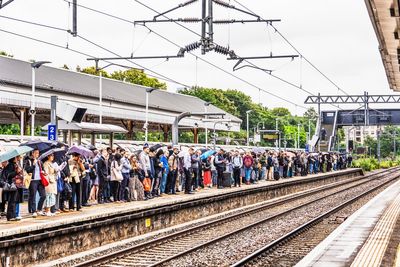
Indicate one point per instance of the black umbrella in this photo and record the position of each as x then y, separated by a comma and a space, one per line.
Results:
58, 154
43, 146
155, 147
137, 152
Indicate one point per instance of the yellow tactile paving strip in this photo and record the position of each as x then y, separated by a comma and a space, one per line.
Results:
397, 261
373, 250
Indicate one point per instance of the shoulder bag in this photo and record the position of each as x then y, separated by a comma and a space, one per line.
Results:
117, 174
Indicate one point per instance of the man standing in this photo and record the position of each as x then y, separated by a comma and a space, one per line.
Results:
145, 165
237, 163
187, 166
126, 168
195, 169
220, 165
102, 174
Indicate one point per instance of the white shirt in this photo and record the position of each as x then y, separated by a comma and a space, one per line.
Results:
187, 161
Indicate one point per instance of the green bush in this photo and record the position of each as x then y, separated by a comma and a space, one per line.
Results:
370, 164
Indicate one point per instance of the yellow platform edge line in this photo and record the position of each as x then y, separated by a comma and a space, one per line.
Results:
371, 254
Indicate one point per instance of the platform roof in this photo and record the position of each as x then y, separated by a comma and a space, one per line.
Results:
121, 100
384, 15
87, 127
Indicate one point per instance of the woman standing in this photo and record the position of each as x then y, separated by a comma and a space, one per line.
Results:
207, 172
136, 190
248, 162
51, 189
13, 172
116, 176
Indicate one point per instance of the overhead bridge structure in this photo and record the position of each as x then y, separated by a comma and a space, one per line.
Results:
329, 121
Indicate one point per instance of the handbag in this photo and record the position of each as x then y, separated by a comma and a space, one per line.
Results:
27, 179
60, 185
147, 184
9, 187
67, 192
42, 177
117, 175
43, 180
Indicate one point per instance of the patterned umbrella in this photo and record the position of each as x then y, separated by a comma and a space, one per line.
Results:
58, 153
5, 156
81, 150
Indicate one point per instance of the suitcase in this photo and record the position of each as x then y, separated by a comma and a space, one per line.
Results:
226, 180
276, 175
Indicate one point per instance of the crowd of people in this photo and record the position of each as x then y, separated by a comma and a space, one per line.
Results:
65, 182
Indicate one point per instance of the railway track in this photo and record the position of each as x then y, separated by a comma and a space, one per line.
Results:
308, 235
162, 250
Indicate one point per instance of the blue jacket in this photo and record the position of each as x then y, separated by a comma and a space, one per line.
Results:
164, 162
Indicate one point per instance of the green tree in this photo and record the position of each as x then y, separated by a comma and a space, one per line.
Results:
4, 53
92, 70
138, 77
311, 114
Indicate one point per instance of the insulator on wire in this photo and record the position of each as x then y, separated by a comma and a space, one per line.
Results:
189, 20
192, 46
224, 21
188, 3
222, 3
221, 50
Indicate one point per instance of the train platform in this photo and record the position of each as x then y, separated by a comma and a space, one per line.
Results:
27, 224
98, 225
369, 237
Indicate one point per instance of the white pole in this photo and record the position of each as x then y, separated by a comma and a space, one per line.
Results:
147, 115
298, 136
101, 102
22, 124
33, 103
206, 129
247, 143
276, 128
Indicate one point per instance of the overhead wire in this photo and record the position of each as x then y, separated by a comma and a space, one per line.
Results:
249, 62
82, 53
157, 75
295, 49
200, 58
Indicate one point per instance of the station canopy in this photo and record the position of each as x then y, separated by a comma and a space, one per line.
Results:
87, 127
385, 17
121, 101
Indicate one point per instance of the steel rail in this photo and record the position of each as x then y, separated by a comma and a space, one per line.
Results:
305, 227
186, 232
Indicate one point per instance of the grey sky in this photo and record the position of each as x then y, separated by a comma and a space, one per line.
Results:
335, 35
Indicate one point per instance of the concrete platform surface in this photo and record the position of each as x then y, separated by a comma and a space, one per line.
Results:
361, 239
29, 224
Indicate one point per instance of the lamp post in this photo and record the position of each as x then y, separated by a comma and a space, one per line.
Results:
247, 116
32, 111
258, 129
206, 104
277, 142
215, 124
146, 125
298, 135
